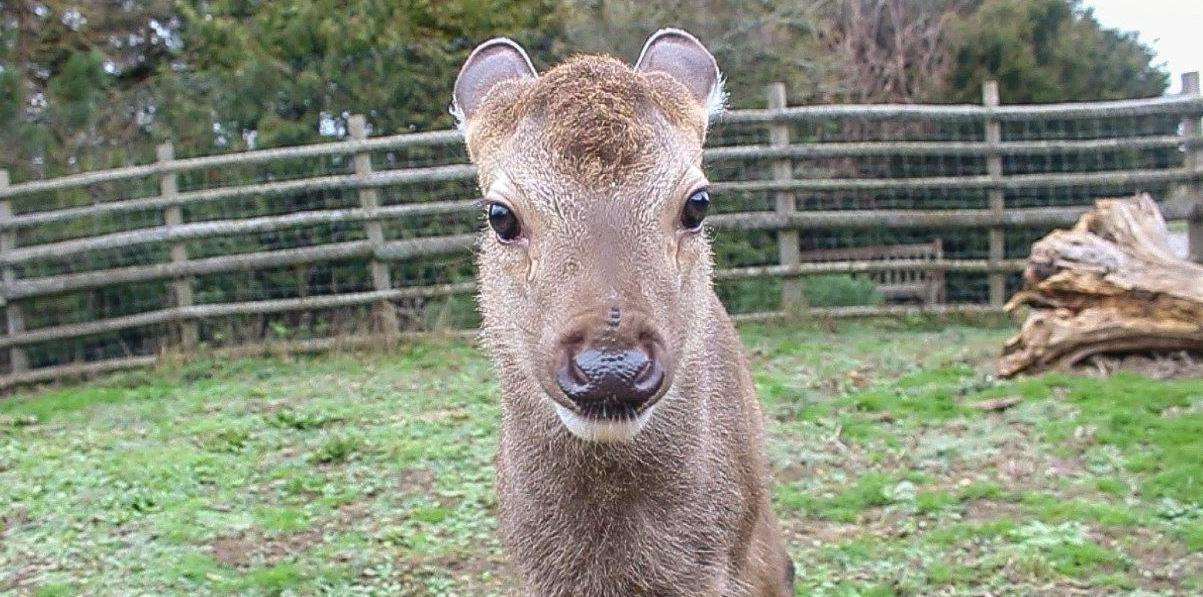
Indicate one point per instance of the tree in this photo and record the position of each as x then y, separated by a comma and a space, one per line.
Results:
76, 79
1046, 51
289, 71
90, 85
886, 50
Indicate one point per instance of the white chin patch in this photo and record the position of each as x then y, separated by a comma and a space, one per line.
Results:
603, 430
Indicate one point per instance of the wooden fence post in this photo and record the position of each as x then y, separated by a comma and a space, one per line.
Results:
788, 245
369, 199
996, 199
16, 318
174, 216
1193, 160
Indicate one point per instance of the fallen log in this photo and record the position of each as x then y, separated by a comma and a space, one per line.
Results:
1112, 284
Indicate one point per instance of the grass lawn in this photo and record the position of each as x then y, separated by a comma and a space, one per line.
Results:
372, 473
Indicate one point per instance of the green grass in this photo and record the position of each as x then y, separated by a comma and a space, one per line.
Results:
372, 473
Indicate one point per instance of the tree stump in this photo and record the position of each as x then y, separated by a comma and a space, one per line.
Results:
1112, 284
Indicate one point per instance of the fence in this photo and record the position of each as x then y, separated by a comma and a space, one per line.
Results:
307, 247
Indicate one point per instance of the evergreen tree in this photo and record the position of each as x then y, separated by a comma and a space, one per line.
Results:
1046, 51
291, 71
92, 85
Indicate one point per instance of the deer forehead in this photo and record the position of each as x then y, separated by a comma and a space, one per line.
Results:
592, 119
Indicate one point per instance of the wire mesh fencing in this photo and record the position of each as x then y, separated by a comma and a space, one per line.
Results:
819, 210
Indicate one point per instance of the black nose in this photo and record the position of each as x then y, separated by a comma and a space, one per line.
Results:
610, 379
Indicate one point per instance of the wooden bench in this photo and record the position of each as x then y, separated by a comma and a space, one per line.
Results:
905, 284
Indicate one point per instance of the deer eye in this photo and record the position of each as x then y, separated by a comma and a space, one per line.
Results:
694, 210
503, 221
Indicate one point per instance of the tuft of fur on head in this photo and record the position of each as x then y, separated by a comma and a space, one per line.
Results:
600, 117
593, 107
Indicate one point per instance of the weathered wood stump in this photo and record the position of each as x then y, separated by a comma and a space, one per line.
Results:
1112, 284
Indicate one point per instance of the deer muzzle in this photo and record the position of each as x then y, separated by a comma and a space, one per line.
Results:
611, 367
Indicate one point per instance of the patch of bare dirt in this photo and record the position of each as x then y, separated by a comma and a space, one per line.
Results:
415, 480
980, 511
1171, 365
1163, 564
816, 532
21, 581
16, 517
490, 575
233, 551
247, 549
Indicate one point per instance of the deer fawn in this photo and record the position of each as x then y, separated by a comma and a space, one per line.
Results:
631, 458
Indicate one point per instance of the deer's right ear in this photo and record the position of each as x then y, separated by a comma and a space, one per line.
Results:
492, 62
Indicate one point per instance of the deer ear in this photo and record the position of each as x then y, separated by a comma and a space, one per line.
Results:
492, 62
681, 56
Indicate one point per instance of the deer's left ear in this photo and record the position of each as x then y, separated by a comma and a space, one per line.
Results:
492, 62
681, 56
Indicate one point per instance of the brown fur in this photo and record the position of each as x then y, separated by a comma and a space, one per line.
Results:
598, 160
590, 107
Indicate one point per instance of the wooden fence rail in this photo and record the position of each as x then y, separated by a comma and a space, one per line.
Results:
180, 312
1035, 217
468, 173
1185, 105
371, 212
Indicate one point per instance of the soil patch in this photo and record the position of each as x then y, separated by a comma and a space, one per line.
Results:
1169, 365
247, 550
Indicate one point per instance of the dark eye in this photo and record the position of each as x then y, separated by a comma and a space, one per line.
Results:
695, 210
503, 221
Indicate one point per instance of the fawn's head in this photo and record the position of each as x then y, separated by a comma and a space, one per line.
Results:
594, 270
